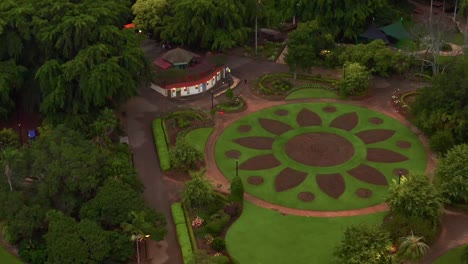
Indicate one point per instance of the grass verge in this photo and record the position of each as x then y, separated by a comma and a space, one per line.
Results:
288, 239
453, 256
198, 137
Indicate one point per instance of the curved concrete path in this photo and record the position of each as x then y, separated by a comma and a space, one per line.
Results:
380, 102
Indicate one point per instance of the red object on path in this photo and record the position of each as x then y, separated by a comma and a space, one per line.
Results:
221, 113
131, 25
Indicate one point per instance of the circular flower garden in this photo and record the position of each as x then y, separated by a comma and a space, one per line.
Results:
319, 156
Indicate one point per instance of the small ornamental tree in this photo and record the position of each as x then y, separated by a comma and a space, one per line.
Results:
452, 174
198, 191
415, 196
185, 156
229, 94
412, 248
364, 244
237, 190
355, 80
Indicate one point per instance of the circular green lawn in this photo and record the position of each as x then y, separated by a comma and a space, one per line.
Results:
319, 156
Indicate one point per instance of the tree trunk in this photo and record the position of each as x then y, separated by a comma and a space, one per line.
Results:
8, 175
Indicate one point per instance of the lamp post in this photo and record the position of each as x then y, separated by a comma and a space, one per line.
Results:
139, 238
237, 168
295, 13
20, 133
400, 173
212, 100
256, 25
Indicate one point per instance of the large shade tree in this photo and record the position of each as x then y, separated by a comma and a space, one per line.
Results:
209, 24
149, 15
305, 45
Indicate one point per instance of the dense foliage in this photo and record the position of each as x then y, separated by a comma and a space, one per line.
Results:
71, 201
355, 80
377, 57
415, 196
198, 191
441, 111
305, 45
68, 56
364, 244
452, 174
185, 156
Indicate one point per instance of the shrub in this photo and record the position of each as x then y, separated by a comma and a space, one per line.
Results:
160, 139
442, 141
233, 209
182, 232
229, 94
452, 174
198, 191
237, 190
446, 47
415, 196
355, 80
8, 138
217, 225
400, 226
218, 244
185, 156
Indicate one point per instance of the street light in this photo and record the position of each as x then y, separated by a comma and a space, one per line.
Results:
212, 100
139, 238
20, 133
237, 168
400, 173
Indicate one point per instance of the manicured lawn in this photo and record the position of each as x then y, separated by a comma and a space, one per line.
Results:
312, 93
452, 256
198, 137
7, 258
264, 236
348, 200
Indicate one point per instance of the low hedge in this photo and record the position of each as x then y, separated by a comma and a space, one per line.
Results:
188, 222
160, 139
182, 232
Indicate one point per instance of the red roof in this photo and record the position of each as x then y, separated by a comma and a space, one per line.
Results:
131, 25
195, 82
160, 62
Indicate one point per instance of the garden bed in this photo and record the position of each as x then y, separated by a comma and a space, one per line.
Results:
210, 225
281, 86
402, 102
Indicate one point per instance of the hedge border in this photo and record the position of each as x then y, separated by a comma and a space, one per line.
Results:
402, 98
182, 232
160, 140
188, 223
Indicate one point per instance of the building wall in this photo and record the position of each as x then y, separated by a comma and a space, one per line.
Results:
193, 89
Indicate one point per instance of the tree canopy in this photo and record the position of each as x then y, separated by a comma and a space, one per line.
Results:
452, 174
208, 24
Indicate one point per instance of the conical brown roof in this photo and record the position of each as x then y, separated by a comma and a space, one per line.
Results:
178, 55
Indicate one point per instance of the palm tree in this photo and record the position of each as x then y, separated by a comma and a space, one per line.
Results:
412, 248
139, 229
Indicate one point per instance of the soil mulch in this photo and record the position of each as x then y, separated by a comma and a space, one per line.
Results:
308, 118
274, 126
368, 174
329, 109
244, 128
281, 112
261, 162
289, 178
375, 135
319, 149
331, 184
403, 144
306, 196
255, 180
346, 122
177, 175
173, 129
255, 142
397, 171
375, 120
233, 154
363, 193
384, 155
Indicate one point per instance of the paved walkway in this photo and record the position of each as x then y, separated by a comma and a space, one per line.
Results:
379, 101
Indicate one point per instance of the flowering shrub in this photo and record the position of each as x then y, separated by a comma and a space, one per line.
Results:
208, 239
197, 222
